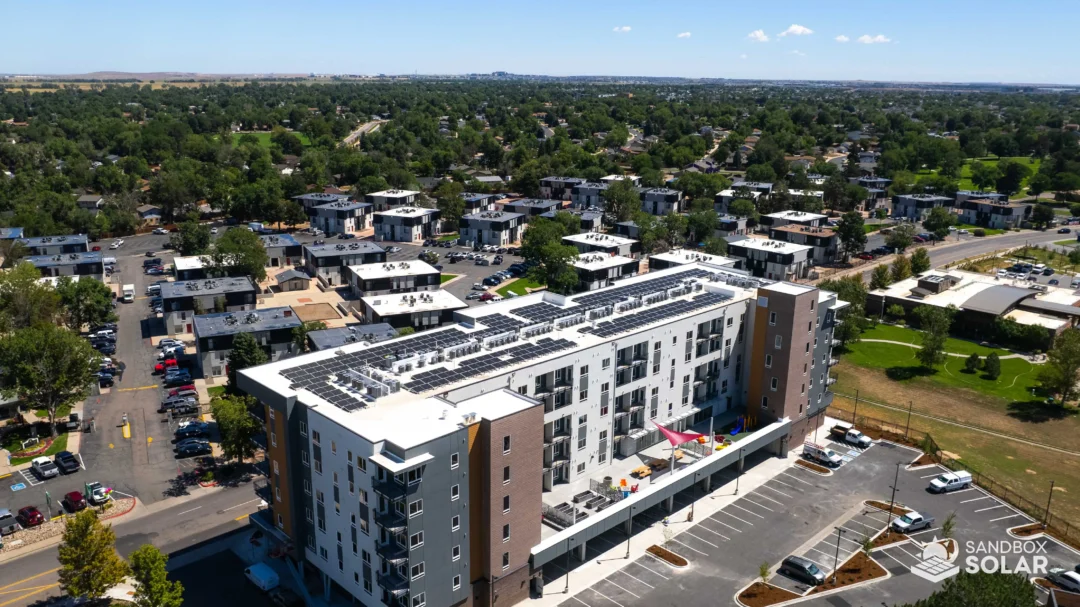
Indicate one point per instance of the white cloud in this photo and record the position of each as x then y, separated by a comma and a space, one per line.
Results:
758, 36
868, 39
621, 28
842, 38
683, 35
799, 53
743, 56
797, 30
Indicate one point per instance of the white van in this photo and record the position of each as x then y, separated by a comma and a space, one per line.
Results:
950, 481
262, 576
109, 261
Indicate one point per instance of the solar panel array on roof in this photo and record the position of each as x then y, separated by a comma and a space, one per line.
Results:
650, 315
545, 312
607, 297
485, 363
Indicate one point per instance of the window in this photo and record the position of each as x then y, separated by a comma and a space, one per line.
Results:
764, 402
361, 463
315, 438
363, 496
364, 554
774, 384
506, 532
506, 445
419, 600
318, 496
730, 320
303, 429
455, 523
581, 467
455, 492
307, 486
356, 578
524, 390
416, 540
323, 553
582, 436
768, 361
307, 515
457, 582
416, 571
348, 459
506, 503
416, 508
807, 347
455, 553
779, 342
772, 318
506, 474
454, 461
803, 391
304, 458
273, 438
607, 363
584, 370
603, 410
506, 560
809, 327
583, 395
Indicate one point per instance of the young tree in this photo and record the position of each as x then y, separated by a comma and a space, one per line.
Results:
89, 564
48, 367
934, 323
971, 365
880, 278
299, 334
901, 268
236, 425
191, 238
1059, 374
992, 365
85, 302
851, 234
621, 200
901, 236
763, 572
716, 246
404, 332
948, 526
152, 585
920, 261
239, 252
896, 312
1042, 215
938, 222
246, 352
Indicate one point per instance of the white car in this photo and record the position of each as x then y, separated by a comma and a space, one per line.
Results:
116, 244
160, 231
169, 342
213, 230
963, 232
44, 467
1069, 580
1002, 274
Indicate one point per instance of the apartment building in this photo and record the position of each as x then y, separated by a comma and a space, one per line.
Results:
917, 206
390, 199
682, 257
989, 213
420, 311
661, 201
182, 301
272, 329
590, 221
559, 188
588, 194
56, 245
329, 262
731, 226
406, 224
393, 277
415, 472
329, 339
761, 187
596, 271
498, 228
313, 200
724, 198
478, 203
342, 217
607, 244
69, 264
532, 207
823, 241
799, 218
282, 250
965, 195
772, 259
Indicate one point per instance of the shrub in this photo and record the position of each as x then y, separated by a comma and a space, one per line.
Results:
979, 232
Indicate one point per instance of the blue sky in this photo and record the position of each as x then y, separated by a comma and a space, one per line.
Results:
921, 40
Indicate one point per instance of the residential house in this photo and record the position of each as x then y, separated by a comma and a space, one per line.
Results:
149, 215
91, 202
662, 201
293, 279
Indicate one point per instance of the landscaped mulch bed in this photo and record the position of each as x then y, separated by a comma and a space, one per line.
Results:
812, 466
885, 538
884, 506
924, 460
858, 568
119, 508
760, 594
667, 556
1028, 530
43, 446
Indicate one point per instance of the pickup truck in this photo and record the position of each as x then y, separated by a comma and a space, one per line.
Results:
850, 435
913, 521
822, 455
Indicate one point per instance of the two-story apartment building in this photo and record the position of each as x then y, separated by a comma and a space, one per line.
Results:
558, 188
917, 206
406, 224
532, 207
731, 226
596, 271
478, 203
608, 244
682, 257
497, 228
590, 221
312, 200
342, 217
182, 301
965, 195
661, 201
393, 277
69, 264
282, 250
588, 194
328, 262
800, 218
824, 242
56, 245
420, 311
272, 329
994, 213
772, 259
724, 198
390, 199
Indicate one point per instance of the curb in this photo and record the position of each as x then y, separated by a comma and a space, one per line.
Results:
810, 470
134, 502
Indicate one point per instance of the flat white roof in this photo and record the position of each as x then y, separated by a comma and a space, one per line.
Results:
1025, 317
599, 261
393, 193
193, 262
407, 211
796, 216
776, 246
814, 193
409, 303
971, 284
619, 178
372, 271
789, 288
731, 193
684, 256
603, 240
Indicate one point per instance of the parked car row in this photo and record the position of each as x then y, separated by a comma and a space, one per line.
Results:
31, 516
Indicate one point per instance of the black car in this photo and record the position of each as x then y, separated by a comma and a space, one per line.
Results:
111, 326
66, 462
193, 449
106, 347
105, 380
190, 432
498, 260
156, 261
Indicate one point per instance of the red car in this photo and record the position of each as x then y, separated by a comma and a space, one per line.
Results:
96, 248
486, 297
161, 366
865, 256
30, 517
177, 391
74, 501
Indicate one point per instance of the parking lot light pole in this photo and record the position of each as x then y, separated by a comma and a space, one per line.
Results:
836, 558
1046, 516
892, 500
631, 531
566, 589
738, 472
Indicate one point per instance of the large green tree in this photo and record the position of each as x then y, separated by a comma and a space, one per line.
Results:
48, 367
920, 261
901, 236
938, 221
542, 244
621, 200
246, 352
850, 233
190, 238
852, 290
85, 302
89, 564
299, 334
1042, 215
934, 323
450, 204
880, 278
153, 588
1059, 374
901, 268
24, 300
982, 590
236, 425
239, 252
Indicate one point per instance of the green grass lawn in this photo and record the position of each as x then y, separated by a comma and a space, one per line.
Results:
1066, 243
214, 391
911, 336
987, 231
965, 172
518, 287
58, 445
264, 138
1053, 259
448, 277
61, 413
446, 237
872, 227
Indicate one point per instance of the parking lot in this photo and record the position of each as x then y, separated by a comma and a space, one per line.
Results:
795, 512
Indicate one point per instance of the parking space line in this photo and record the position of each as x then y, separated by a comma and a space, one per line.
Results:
758, 495
776, 480
727, 525
886, 553
991, 508
581, 601
828, 554
963, 490
702, 525
1005, 517
976, 499
923, 531
901, 549
864, 525
635, 595
605, 596
701, 540
688, 547
745, 510
651, 571
938, 473
778, 491
849, 540
792, 476
635, 578
750, 501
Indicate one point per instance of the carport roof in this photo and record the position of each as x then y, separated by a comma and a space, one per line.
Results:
1051, 307
996, 300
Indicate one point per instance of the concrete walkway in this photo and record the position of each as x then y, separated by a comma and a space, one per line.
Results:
1033, 359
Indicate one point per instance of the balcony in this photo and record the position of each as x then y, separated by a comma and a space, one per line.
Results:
391, 550
392, 582
390, 520
394, 490
833, 362
835, 343
830, 381
543, 389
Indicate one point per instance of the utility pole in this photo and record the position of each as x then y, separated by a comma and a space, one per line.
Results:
892, 500
738, 472
855, 413
908, 425
1049, 498
836, 558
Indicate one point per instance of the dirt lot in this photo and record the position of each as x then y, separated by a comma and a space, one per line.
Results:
316, 311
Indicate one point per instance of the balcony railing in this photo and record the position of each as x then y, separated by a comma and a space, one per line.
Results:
835, 343
391, 519
393, 489
391, 550
392, 582
830, 381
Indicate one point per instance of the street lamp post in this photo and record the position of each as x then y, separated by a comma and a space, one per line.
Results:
566, 589
630, 531
892, 500
693, 498
836, 558
1046, 517
739, 472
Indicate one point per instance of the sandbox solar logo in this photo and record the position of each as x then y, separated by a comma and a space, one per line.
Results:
934, 565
